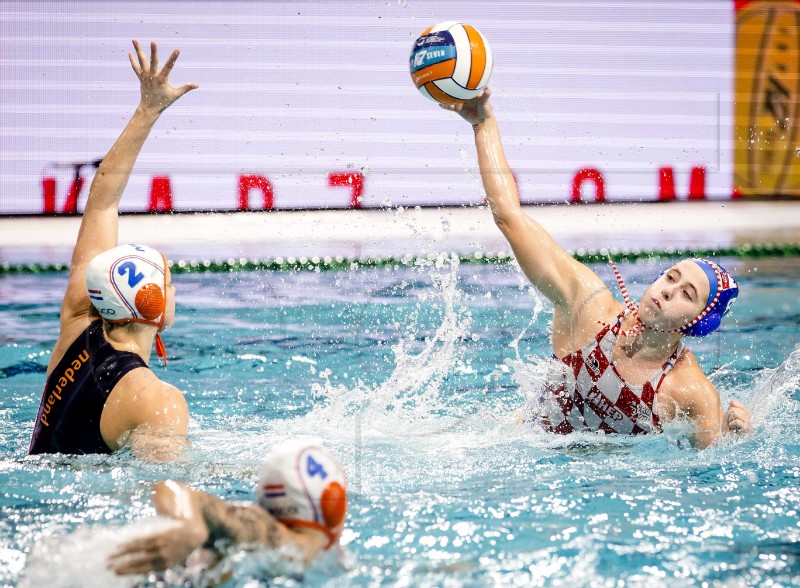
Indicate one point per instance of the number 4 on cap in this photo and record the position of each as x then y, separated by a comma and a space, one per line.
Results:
313, 468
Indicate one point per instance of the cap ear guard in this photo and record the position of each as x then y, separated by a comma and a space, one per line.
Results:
705, 326
150, 301
334, 505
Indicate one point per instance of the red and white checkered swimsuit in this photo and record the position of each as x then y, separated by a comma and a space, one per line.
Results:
586, 393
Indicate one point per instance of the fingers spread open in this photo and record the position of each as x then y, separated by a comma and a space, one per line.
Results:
140, 55
153, 57
170, 63
136, 69
186, 88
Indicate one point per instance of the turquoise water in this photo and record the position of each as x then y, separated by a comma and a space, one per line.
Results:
413, 377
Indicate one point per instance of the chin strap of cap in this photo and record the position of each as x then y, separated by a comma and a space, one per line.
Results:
312, 525
633, 308
161, 350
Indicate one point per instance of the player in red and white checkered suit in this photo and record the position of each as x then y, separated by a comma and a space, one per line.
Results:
649, 377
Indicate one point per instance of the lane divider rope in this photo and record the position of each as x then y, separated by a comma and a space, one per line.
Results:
328, 263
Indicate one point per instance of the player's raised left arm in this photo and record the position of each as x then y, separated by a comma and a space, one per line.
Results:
99, 225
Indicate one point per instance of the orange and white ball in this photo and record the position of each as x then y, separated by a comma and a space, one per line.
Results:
451, 62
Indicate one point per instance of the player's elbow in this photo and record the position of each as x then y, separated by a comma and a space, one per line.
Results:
706, 434
500, 218
702, 441
509, 222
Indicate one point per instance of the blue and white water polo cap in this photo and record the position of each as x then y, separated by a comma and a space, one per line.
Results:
722, 292
129, 284
302, 484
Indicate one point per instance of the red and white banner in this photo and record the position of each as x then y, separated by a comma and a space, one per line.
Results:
311, 105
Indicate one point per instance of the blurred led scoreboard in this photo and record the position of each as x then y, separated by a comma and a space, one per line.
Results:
310, 104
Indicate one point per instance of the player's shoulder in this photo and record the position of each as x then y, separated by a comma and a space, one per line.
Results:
144, 387
687, 380
687, 367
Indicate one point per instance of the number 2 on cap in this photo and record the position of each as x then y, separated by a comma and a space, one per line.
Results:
313, 468
129, 268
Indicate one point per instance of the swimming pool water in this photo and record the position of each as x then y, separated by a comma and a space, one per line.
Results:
409, 377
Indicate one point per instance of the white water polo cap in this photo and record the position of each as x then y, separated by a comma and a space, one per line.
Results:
129, 284
301, 484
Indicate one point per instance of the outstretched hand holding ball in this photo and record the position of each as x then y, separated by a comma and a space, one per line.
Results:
473, 111
451, 62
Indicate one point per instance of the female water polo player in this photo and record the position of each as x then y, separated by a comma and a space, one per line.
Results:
100, 394
301, 501
621, 368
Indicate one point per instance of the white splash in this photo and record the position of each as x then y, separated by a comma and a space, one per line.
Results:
253, 356
413, 390
774, 386
532, 372
303, 359
78, 560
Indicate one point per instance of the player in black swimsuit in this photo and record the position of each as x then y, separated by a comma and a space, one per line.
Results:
100, 395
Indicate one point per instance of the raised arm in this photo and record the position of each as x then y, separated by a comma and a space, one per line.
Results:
553, 271
98, 231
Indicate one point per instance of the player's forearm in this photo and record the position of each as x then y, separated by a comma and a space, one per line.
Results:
115, 170
498, 181
181, 503
241, 524
708, 428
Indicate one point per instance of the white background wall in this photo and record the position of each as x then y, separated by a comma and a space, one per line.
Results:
296, 90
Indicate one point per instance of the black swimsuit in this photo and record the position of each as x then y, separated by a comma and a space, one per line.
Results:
76, 392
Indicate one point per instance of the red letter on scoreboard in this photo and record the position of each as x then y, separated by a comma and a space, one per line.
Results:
247, 183
160, 195
353, 180
49, 196
666, 183
589, 174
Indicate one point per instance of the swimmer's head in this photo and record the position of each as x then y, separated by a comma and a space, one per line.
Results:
132, 283
303, 485
691, 298
722, 292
